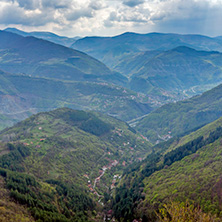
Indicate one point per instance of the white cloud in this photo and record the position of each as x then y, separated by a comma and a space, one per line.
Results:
190, 16
102, 17
13, 14
97, 4
79, 13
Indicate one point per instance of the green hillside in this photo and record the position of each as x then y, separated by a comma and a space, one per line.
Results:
133, 63
61, 154
195, 177
37, 57
186, 169
176, 118
43, 201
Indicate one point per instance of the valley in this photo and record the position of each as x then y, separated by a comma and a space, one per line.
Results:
182, 117
123, 128
22, 96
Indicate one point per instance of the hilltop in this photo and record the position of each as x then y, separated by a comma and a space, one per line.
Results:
181, 69
160, 64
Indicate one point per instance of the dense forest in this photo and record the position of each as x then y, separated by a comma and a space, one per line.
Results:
130, 194
48, 201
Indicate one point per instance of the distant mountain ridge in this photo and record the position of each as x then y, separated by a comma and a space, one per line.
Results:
177, 69
37, 57
62, 40
186, 64
110, 50
150, 72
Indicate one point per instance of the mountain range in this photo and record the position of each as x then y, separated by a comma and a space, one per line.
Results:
156, 62
186, 71
52, 37
179, 69
41, 58
111, 50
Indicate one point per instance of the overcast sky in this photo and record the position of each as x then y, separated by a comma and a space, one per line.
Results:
112, 17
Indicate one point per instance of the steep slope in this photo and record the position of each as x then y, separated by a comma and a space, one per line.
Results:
66, 158
62, 40
37, 57
179, 69
184, 169
176, 118
9, 210
111, 50
196, 177
133, 63
21, 96
85, 136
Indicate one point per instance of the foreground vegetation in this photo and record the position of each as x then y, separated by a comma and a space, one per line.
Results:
48, 201
184, 212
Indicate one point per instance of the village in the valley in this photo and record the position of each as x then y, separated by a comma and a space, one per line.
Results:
113, 164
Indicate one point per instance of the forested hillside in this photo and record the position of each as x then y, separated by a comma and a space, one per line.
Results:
177, 118
181, 69
72, 158
185, 169
59, 164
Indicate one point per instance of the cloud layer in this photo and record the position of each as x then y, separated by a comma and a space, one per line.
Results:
110, 17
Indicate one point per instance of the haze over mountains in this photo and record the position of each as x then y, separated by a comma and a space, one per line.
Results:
21, 96
62, 40
156, 70
111, 50
77, 164
22, 55
179, 69
171, 62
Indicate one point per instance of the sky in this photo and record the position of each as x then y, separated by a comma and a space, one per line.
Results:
112, 17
